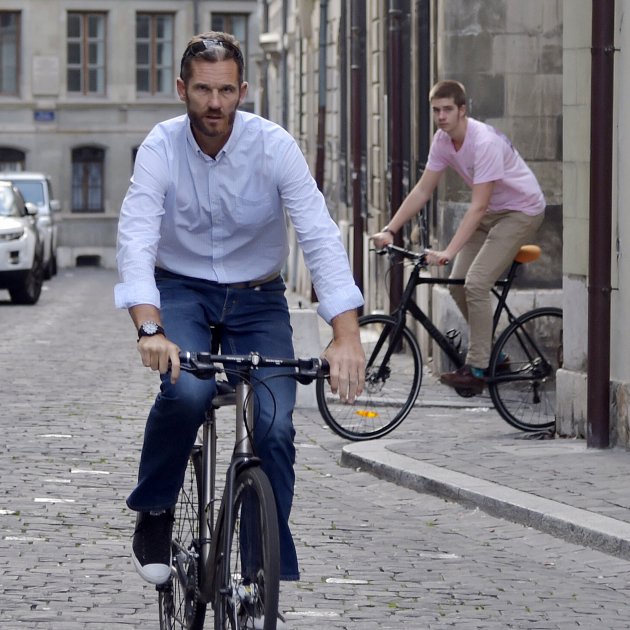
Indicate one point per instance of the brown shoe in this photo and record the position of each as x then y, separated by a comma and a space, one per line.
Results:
463, 378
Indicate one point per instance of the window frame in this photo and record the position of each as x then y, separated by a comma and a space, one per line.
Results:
153, 65
79, 155
18, 69
84, 65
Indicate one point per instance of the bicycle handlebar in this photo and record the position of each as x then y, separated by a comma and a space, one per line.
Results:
405, 253
207, 365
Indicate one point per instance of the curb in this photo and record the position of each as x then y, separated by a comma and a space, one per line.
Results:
572, 524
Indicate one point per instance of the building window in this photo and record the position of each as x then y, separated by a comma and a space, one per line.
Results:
154, 53
9, 47
235, 23
12, 159
88, 179
86, 53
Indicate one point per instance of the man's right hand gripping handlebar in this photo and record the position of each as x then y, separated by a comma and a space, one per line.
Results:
160, 354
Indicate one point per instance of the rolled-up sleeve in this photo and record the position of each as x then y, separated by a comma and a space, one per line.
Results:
139, 230
318, 236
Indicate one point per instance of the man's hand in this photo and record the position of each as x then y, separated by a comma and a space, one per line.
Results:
438, 257
158, 353
346, 357
381, 239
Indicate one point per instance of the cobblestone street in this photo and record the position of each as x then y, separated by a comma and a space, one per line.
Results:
373, 555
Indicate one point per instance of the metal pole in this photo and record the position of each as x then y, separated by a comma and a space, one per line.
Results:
357, 71
320, 160
600, 224
395, 139
195, 16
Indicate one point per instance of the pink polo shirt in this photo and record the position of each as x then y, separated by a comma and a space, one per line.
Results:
487, 155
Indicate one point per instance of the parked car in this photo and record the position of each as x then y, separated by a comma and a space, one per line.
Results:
21, 249
37, 189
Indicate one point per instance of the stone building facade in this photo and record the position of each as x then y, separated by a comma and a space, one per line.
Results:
83, 88
380, 60
83, 81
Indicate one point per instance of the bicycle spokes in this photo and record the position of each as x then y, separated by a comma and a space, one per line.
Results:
392, 382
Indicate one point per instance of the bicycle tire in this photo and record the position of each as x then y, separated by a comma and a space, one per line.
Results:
253, 559
179, 599
390, 390
524, 392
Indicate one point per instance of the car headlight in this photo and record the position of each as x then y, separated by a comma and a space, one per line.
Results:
13, 235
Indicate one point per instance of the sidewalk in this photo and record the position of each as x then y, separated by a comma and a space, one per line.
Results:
460, 449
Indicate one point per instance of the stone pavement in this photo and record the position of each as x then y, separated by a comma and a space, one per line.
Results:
453, 447
373, 555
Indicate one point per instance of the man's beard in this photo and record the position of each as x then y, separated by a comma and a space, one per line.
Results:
198, 124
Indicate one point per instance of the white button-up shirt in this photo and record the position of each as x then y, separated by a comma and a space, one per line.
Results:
223, 219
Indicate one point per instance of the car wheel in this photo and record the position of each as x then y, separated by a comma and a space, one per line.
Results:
31, 289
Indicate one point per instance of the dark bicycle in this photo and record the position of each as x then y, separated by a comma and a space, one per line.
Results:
226, 550
521, 375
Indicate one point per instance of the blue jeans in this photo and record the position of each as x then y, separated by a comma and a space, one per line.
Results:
251, 319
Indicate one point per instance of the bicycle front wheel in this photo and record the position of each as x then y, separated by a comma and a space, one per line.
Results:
393, 376
179, 599
249, 599
523, 369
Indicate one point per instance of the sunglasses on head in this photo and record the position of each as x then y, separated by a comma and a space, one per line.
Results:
207, 44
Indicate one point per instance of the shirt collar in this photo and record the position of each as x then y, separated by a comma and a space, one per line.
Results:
237, 130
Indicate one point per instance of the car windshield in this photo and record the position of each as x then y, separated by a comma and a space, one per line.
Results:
7, 203
32, 192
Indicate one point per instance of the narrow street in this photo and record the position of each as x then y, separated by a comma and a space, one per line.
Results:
374, 555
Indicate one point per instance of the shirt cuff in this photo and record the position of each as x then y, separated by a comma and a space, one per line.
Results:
340, 302
128, 294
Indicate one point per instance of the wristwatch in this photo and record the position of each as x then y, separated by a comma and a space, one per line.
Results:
150, 328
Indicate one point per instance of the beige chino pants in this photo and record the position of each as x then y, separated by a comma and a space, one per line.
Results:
482, 261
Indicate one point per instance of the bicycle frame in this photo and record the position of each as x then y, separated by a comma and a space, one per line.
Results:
242, 456
203, 364
409, 305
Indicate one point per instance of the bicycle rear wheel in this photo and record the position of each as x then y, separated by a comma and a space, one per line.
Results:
179, 603
523, 390
393, 376
253, 558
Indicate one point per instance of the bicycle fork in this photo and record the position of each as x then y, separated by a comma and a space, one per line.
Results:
243, 454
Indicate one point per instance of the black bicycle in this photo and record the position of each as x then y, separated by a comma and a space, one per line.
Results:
521, 375
226, 550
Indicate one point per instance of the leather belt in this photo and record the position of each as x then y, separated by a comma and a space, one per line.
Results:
232, 285
252, 283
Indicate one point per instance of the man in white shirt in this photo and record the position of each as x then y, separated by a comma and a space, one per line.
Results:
202, 239
506, 209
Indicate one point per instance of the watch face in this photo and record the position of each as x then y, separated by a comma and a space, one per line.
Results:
150, 328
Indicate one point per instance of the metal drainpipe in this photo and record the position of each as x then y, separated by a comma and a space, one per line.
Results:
320, 159
357, 76
285, 71
600, 224
395, 139
196, 16
264, 67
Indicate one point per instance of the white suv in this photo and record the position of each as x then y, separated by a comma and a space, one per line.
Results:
21, 270
36, 189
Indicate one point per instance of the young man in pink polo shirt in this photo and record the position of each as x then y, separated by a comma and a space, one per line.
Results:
506, 209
